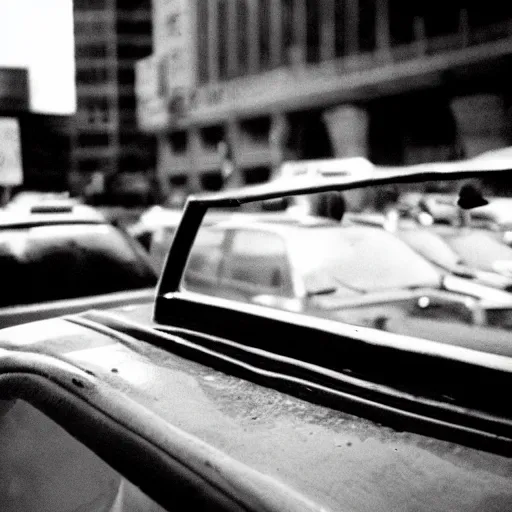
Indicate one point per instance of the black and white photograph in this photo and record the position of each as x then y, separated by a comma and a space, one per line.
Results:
255, 255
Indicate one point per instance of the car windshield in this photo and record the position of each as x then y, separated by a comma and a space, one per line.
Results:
404, 272
54, 262
348, 256
432, 247
481, 249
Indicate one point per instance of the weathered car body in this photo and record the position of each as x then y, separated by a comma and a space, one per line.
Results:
229, 406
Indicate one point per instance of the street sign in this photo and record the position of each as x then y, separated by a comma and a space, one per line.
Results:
11, 171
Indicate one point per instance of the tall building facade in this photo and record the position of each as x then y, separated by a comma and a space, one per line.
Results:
110, 156
398, 82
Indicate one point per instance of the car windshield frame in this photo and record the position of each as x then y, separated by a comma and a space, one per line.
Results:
388, 367
197, 206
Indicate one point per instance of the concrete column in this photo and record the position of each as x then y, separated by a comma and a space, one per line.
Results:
482, 123
163, 161
278, 136
348, 129
195, 150
228, 159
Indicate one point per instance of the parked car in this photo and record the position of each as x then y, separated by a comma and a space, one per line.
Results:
58, 258
162, 235
495, 217
216, 404
151, 220
474, 254
355, 274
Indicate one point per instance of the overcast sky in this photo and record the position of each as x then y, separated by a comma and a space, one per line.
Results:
38, 35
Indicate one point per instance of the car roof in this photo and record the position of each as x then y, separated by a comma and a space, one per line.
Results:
276, 223
49, 212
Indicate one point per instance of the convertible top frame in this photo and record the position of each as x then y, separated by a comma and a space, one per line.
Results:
197, 206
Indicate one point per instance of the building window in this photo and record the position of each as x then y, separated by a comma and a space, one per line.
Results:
126, 76
93, 140
178, 180
255, 131
93, 110
256, 175
90, 5
94, 27
91, 51
211, 136
402, 14
133, 50
367, 29
211, 181
92, 164
135, 27
339, 23
92, 75
313, 31
179, 142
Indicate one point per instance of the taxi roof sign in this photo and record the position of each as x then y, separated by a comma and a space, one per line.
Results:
325, 168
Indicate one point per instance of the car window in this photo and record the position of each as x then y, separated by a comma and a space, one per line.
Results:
432, 247
481, 250
257, 258
160, 243
205, 257
47, 263
362, 258
45, 469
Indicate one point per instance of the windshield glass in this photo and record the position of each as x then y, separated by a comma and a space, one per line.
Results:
348, 255
481, 250
46, 263
432, 247
380, 256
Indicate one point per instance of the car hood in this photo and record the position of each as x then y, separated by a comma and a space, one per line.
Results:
451, 287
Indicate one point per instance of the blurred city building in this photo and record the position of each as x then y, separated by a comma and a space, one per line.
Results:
396, 81
111, 159
37, 94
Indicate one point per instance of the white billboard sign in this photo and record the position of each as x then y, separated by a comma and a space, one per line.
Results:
174, 38
11, 172
37, 35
